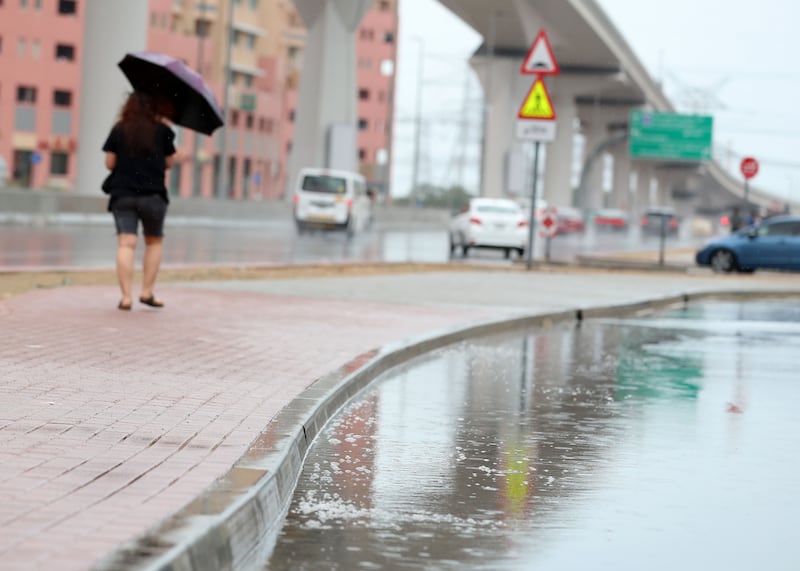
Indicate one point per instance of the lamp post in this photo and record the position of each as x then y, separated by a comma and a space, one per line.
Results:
487, 103
418, 121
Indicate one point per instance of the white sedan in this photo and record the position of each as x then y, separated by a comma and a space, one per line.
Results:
497, 223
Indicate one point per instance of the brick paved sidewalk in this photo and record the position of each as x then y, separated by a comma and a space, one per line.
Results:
111, 421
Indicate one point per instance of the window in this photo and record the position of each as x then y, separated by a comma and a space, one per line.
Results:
363, 124
269, 126
324, 183
291, 115
362, 154
777, 229
248, 81
21, 47
384, 6
62, 98
23, 4
26, 94
202, 28
37, 4
36, 49
253, 4
363, 94
67, 7
388, 37
234, 118
59, 163
1, 37
248, 121
65, 52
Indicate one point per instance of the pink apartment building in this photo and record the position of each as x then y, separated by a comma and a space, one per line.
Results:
40, 71
40, 42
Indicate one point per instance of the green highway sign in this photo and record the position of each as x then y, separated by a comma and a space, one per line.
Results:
670, 136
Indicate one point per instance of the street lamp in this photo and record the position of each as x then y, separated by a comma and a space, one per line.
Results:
418, 120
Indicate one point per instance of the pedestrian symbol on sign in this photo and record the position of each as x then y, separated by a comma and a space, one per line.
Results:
537, 104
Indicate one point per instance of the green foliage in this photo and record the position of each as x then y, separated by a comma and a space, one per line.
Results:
430, 196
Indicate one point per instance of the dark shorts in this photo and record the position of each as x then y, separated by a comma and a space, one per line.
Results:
151, 209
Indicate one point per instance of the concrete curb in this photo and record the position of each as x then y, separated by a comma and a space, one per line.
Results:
235, 523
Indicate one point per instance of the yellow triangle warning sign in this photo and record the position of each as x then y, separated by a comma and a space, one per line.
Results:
537, 104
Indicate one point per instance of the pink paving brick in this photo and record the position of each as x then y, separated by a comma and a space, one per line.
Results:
105, 414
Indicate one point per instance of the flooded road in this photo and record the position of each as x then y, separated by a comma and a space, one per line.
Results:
277, 242
664, 442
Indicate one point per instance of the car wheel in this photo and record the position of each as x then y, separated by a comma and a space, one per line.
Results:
507, 253
464, 250
520, 252
723, 261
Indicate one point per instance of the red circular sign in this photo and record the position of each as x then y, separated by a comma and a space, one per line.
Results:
550, 222
749, 167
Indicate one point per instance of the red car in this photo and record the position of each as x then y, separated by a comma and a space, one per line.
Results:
569, 220
611, 219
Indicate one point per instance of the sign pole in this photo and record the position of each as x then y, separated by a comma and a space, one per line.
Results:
746, 192
547, 240
532, 221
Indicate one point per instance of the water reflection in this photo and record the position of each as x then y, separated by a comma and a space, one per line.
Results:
610, 445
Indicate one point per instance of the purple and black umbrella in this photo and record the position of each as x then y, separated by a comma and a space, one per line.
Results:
163, 76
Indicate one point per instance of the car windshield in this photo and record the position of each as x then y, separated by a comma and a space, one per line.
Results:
496, 209
324, 183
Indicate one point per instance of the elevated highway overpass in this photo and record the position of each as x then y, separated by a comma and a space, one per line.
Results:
601, 80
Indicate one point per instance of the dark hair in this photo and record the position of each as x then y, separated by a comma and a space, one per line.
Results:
139, 122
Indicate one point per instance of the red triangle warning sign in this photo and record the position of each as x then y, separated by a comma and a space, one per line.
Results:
537, 104
540, 59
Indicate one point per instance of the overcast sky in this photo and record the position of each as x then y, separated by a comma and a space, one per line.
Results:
728, 58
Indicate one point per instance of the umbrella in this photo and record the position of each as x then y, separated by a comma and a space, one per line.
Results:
161, 75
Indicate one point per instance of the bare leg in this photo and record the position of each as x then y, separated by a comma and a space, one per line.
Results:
126, 250
152, 263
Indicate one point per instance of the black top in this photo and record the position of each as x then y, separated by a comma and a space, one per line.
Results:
138, 174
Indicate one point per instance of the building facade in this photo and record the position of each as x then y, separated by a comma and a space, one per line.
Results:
40, 81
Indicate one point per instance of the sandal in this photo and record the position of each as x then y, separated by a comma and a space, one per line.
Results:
151, 301
124, 306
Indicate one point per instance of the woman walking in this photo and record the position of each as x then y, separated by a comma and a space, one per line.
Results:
139, 150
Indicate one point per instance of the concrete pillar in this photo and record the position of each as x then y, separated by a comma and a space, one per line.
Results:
504, 89
558, 157
328, 94
641, 197
112, 28
621, 190
592, 196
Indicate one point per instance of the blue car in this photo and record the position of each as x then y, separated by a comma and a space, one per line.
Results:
771, 244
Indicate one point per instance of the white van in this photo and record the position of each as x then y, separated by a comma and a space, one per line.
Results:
331, 199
